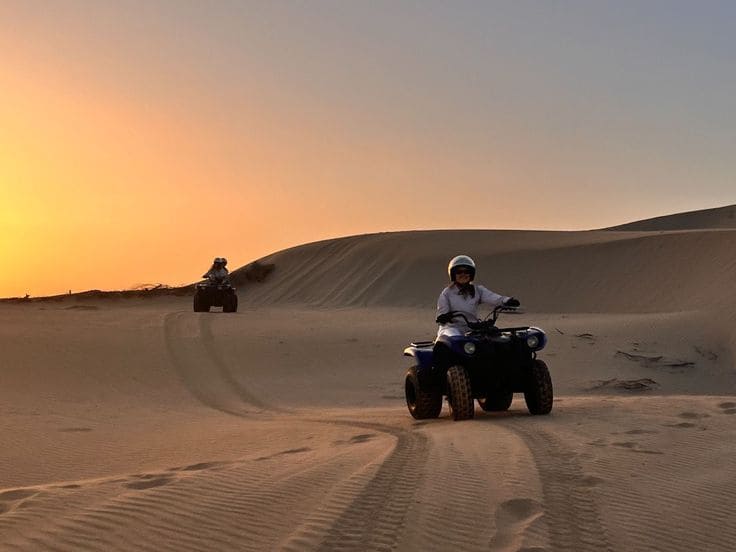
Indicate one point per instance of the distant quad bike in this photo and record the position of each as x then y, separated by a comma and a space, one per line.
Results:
489, 364
215, 294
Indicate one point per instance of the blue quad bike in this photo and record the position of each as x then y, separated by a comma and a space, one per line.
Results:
487, 363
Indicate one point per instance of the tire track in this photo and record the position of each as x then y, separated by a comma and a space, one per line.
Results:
570, 509
375, 518
208, 341
371, 520
457, 507
187, 356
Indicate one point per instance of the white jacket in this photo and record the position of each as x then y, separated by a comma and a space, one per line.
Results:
451, 300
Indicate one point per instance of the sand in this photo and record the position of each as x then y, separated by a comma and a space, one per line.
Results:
136, 424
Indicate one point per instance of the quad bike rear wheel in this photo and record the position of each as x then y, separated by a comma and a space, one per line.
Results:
498, 401
459, 394
539, 394
422, 403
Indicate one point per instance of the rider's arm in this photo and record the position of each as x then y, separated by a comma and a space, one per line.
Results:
491, 298
443, 304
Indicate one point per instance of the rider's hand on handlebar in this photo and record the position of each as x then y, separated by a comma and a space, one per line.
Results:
444, 318
511, 302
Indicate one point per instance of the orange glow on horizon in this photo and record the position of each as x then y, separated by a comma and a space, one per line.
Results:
93, 190
105, 185
99, 193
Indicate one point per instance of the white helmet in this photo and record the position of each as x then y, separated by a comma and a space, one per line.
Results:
457, 262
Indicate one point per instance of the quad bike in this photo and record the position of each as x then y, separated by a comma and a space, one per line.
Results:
486, 363
212, 293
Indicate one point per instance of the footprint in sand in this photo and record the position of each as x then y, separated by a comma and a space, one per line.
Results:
640, 431
355, 439
587, 338
290, 451
692, 415
362, 438
728, 407
683, 425
16, 494
148, 483
8, 497
67, 486
196, 467
293, 451
75, 429
634, 447
203, 466
512, 518
590, 481
518, 510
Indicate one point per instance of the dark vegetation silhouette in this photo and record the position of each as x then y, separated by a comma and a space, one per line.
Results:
252, 273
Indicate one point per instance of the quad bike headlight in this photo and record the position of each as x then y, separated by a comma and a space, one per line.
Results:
532, 341
469, 348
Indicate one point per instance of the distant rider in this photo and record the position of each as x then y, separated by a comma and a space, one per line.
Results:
463, 296
217, 273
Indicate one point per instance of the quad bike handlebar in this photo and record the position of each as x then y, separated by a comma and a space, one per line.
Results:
488, 323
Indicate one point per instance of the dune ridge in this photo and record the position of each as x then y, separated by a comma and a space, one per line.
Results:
717, 217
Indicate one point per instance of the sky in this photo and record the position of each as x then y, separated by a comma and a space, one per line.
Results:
140, 139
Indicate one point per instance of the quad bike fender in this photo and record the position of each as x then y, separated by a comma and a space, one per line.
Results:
423, 356
429, 375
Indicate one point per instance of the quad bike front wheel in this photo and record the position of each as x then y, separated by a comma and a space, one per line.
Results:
538, 394
459, 394
422, 403
230, 303
498, 401
200, 303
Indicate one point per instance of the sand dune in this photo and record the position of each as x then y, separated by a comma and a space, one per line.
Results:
138, 424
550, 271
719, 217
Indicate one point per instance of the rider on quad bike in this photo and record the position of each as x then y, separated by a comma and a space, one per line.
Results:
217, 273
463, 296
473, 359
216, 290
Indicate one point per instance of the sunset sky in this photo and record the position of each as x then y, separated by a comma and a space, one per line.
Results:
140, 139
